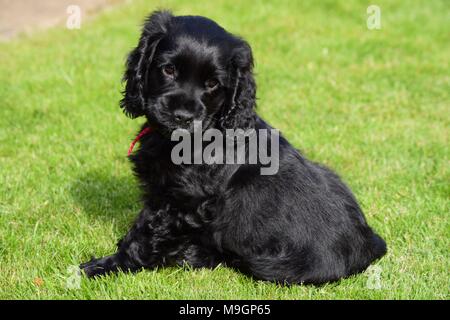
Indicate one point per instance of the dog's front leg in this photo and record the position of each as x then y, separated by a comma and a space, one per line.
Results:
149, 243
108, 264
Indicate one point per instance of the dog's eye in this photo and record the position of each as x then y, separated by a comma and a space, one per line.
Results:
169, 70
211, 84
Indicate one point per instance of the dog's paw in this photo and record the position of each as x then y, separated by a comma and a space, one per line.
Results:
94, 267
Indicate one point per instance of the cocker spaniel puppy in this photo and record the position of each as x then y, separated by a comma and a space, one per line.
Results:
301, 224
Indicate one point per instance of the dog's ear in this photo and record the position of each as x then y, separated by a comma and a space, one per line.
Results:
139, 59
240, 108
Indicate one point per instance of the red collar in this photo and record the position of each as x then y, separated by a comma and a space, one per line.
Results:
139, 136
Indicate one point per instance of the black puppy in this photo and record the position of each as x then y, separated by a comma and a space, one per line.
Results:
300, 225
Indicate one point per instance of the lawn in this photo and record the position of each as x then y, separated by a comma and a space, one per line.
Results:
372, 104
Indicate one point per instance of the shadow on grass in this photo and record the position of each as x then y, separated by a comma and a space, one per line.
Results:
107, 197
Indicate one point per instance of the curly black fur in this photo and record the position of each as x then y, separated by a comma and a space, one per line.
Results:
301, 225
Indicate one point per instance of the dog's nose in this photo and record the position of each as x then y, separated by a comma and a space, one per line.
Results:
183, 116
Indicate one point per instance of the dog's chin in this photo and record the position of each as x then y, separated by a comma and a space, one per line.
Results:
166, 128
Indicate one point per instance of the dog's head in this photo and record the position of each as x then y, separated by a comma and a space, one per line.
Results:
188, 68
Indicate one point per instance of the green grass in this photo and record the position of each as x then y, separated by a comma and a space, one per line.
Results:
373, 105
